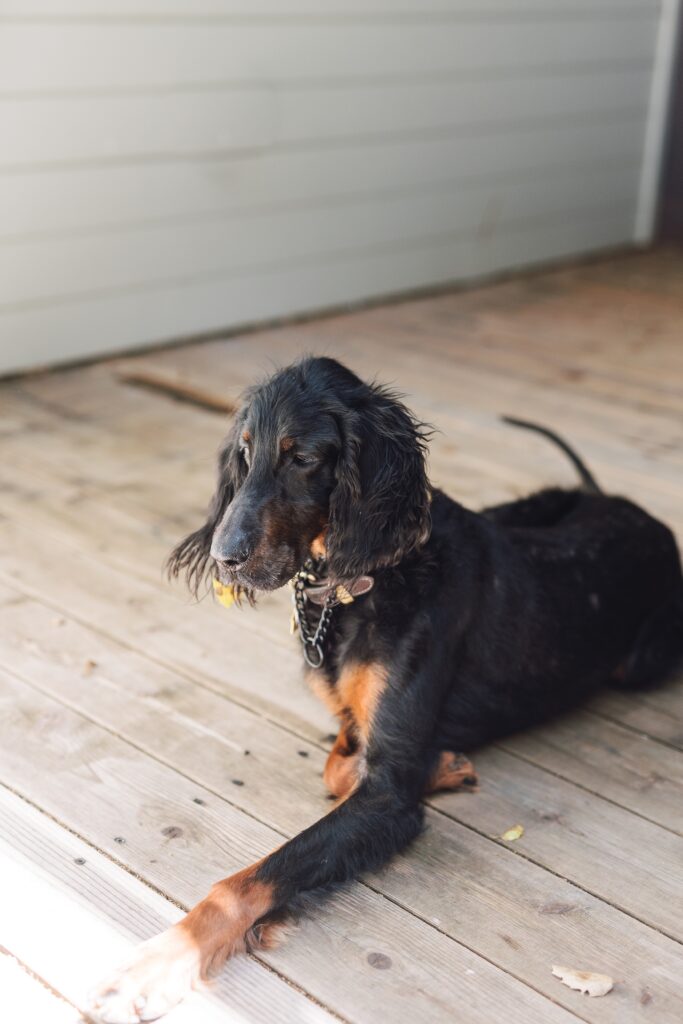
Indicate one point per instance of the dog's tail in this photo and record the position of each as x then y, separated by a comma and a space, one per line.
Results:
588, 481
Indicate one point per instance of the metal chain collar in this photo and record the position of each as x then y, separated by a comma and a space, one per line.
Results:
312, 639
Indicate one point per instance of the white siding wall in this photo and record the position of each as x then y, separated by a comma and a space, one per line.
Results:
169, 167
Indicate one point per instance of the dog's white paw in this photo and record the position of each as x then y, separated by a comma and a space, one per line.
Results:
158, 976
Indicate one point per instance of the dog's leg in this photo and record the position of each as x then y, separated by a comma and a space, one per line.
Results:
453, 771
342, 769
164, 969
359, 834
381, 816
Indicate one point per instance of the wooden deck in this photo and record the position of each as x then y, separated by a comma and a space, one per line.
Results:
149, 745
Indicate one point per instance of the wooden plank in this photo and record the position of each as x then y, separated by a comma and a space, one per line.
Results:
88, 913
52, 200
224, 367
28, 1000
81, 56
506, 909
606, 841
135, 533
657, 713
63, 129
487, 872
138, 548
640, 430
199, 640
276, 10
608, 826
618, 763
107, 791
608, 456
491, 461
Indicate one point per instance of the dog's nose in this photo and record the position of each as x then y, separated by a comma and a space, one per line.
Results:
231, 551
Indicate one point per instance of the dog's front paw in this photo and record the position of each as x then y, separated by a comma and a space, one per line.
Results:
160, 974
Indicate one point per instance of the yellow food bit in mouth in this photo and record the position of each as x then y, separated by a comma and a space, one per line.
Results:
225, 593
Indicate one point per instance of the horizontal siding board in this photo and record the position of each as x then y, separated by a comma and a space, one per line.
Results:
198, 9
177, 166
72, 56
44, 270
56, 200
114, 127
70, 331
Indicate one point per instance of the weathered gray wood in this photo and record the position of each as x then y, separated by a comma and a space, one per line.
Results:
89, 501
595, 843
86, 913
204, 640
502, 907
107, 791
657, 713
618, 763
136, 540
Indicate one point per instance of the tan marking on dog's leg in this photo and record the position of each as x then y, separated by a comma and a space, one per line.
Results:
163, 970
360, 688
341, 773
324, 691
453, 771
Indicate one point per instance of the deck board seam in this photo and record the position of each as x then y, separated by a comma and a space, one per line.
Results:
303, 736
40, 980
285, 835
587, 789
159, 892
308, 737
558, 874
376, 891
476, 952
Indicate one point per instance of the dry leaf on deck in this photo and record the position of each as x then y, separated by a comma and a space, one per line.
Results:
587, 982
513, 833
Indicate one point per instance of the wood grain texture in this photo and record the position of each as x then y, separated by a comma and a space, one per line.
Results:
88, 912
122, 702
487, 897
182, 846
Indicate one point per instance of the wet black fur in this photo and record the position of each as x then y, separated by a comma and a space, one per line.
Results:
487, 622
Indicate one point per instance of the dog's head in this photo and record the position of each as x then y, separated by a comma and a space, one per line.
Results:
316, 462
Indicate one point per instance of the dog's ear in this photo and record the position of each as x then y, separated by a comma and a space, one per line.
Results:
380, 505
192, 555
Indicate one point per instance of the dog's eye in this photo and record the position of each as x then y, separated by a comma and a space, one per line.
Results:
304, 460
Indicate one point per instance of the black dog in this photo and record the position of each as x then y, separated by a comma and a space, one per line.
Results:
427, 628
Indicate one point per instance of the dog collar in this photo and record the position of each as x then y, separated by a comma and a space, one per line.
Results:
309, 586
